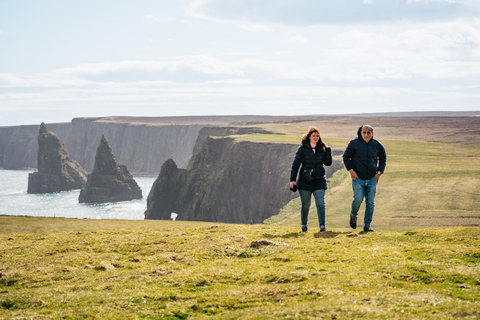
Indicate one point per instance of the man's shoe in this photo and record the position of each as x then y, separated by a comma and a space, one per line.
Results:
322, 229
353, 221
367, 228
304, 228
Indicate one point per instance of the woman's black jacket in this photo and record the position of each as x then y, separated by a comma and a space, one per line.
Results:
306, 159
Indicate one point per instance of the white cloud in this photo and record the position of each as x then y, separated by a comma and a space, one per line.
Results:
159, 19
283, 53
446, 1
434, 51
312, 12
394, 66
430, 51
297, 38
195, 11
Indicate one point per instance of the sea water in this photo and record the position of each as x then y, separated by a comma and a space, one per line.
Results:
15, 201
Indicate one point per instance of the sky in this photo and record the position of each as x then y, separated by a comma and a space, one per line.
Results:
61, 59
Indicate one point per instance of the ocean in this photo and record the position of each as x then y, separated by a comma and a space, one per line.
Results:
15, 201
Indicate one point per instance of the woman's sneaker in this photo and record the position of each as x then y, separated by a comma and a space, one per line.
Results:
304, 228
322, 229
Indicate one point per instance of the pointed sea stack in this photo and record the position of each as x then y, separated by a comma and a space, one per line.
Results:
108, 181
56, 171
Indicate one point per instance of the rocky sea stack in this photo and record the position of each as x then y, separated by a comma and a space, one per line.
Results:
56, 171
108, 181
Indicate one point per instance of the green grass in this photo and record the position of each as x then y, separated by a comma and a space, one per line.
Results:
180, 270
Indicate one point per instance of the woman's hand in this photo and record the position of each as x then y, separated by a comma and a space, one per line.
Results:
292, 183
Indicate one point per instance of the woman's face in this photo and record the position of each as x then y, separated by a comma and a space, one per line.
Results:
314, 137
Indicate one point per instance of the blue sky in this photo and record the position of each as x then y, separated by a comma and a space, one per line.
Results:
61, 59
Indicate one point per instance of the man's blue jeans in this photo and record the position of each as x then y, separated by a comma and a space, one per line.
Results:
306, 198
364, 189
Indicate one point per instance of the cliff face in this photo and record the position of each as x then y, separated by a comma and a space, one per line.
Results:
228, 181
108, 181
141, 147
56, 171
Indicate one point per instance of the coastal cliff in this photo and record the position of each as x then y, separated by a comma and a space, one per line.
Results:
227, 181
141, 147
143, 144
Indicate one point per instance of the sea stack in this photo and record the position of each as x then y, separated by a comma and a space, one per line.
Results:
108, 181
56, 171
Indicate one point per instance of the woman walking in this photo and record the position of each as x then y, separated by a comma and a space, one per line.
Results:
310, 158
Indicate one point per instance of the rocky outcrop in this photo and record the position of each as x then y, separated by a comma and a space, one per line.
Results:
56, 171
229, 181
108, 181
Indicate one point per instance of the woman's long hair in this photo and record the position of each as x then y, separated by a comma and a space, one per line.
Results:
306, 137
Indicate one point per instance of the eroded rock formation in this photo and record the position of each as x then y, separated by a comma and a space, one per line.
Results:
56, 171
228, 181
108, 181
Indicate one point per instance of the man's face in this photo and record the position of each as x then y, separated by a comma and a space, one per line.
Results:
367, 133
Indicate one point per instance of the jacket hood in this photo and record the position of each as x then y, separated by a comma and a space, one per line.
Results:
359, 133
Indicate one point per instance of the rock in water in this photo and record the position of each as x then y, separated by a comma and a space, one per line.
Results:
108, 181
56, 171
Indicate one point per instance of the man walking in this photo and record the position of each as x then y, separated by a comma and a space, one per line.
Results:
365, 158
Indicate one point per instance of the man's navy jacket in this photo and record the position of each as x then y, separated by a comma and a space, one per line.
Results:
365, 158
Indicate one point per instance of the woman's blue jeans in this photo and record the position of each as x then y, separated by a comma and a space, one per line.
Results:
306, 198
364, 189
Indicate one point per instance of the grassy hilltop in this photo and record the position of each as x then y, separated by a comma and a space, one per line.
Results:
193, 270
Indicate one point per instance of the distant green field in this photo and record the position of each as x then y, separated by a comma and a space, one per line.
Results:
192, 270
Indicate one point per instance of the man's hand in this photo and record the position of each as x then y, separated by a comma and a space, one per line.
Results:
353, 174
377, 176
292, 183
